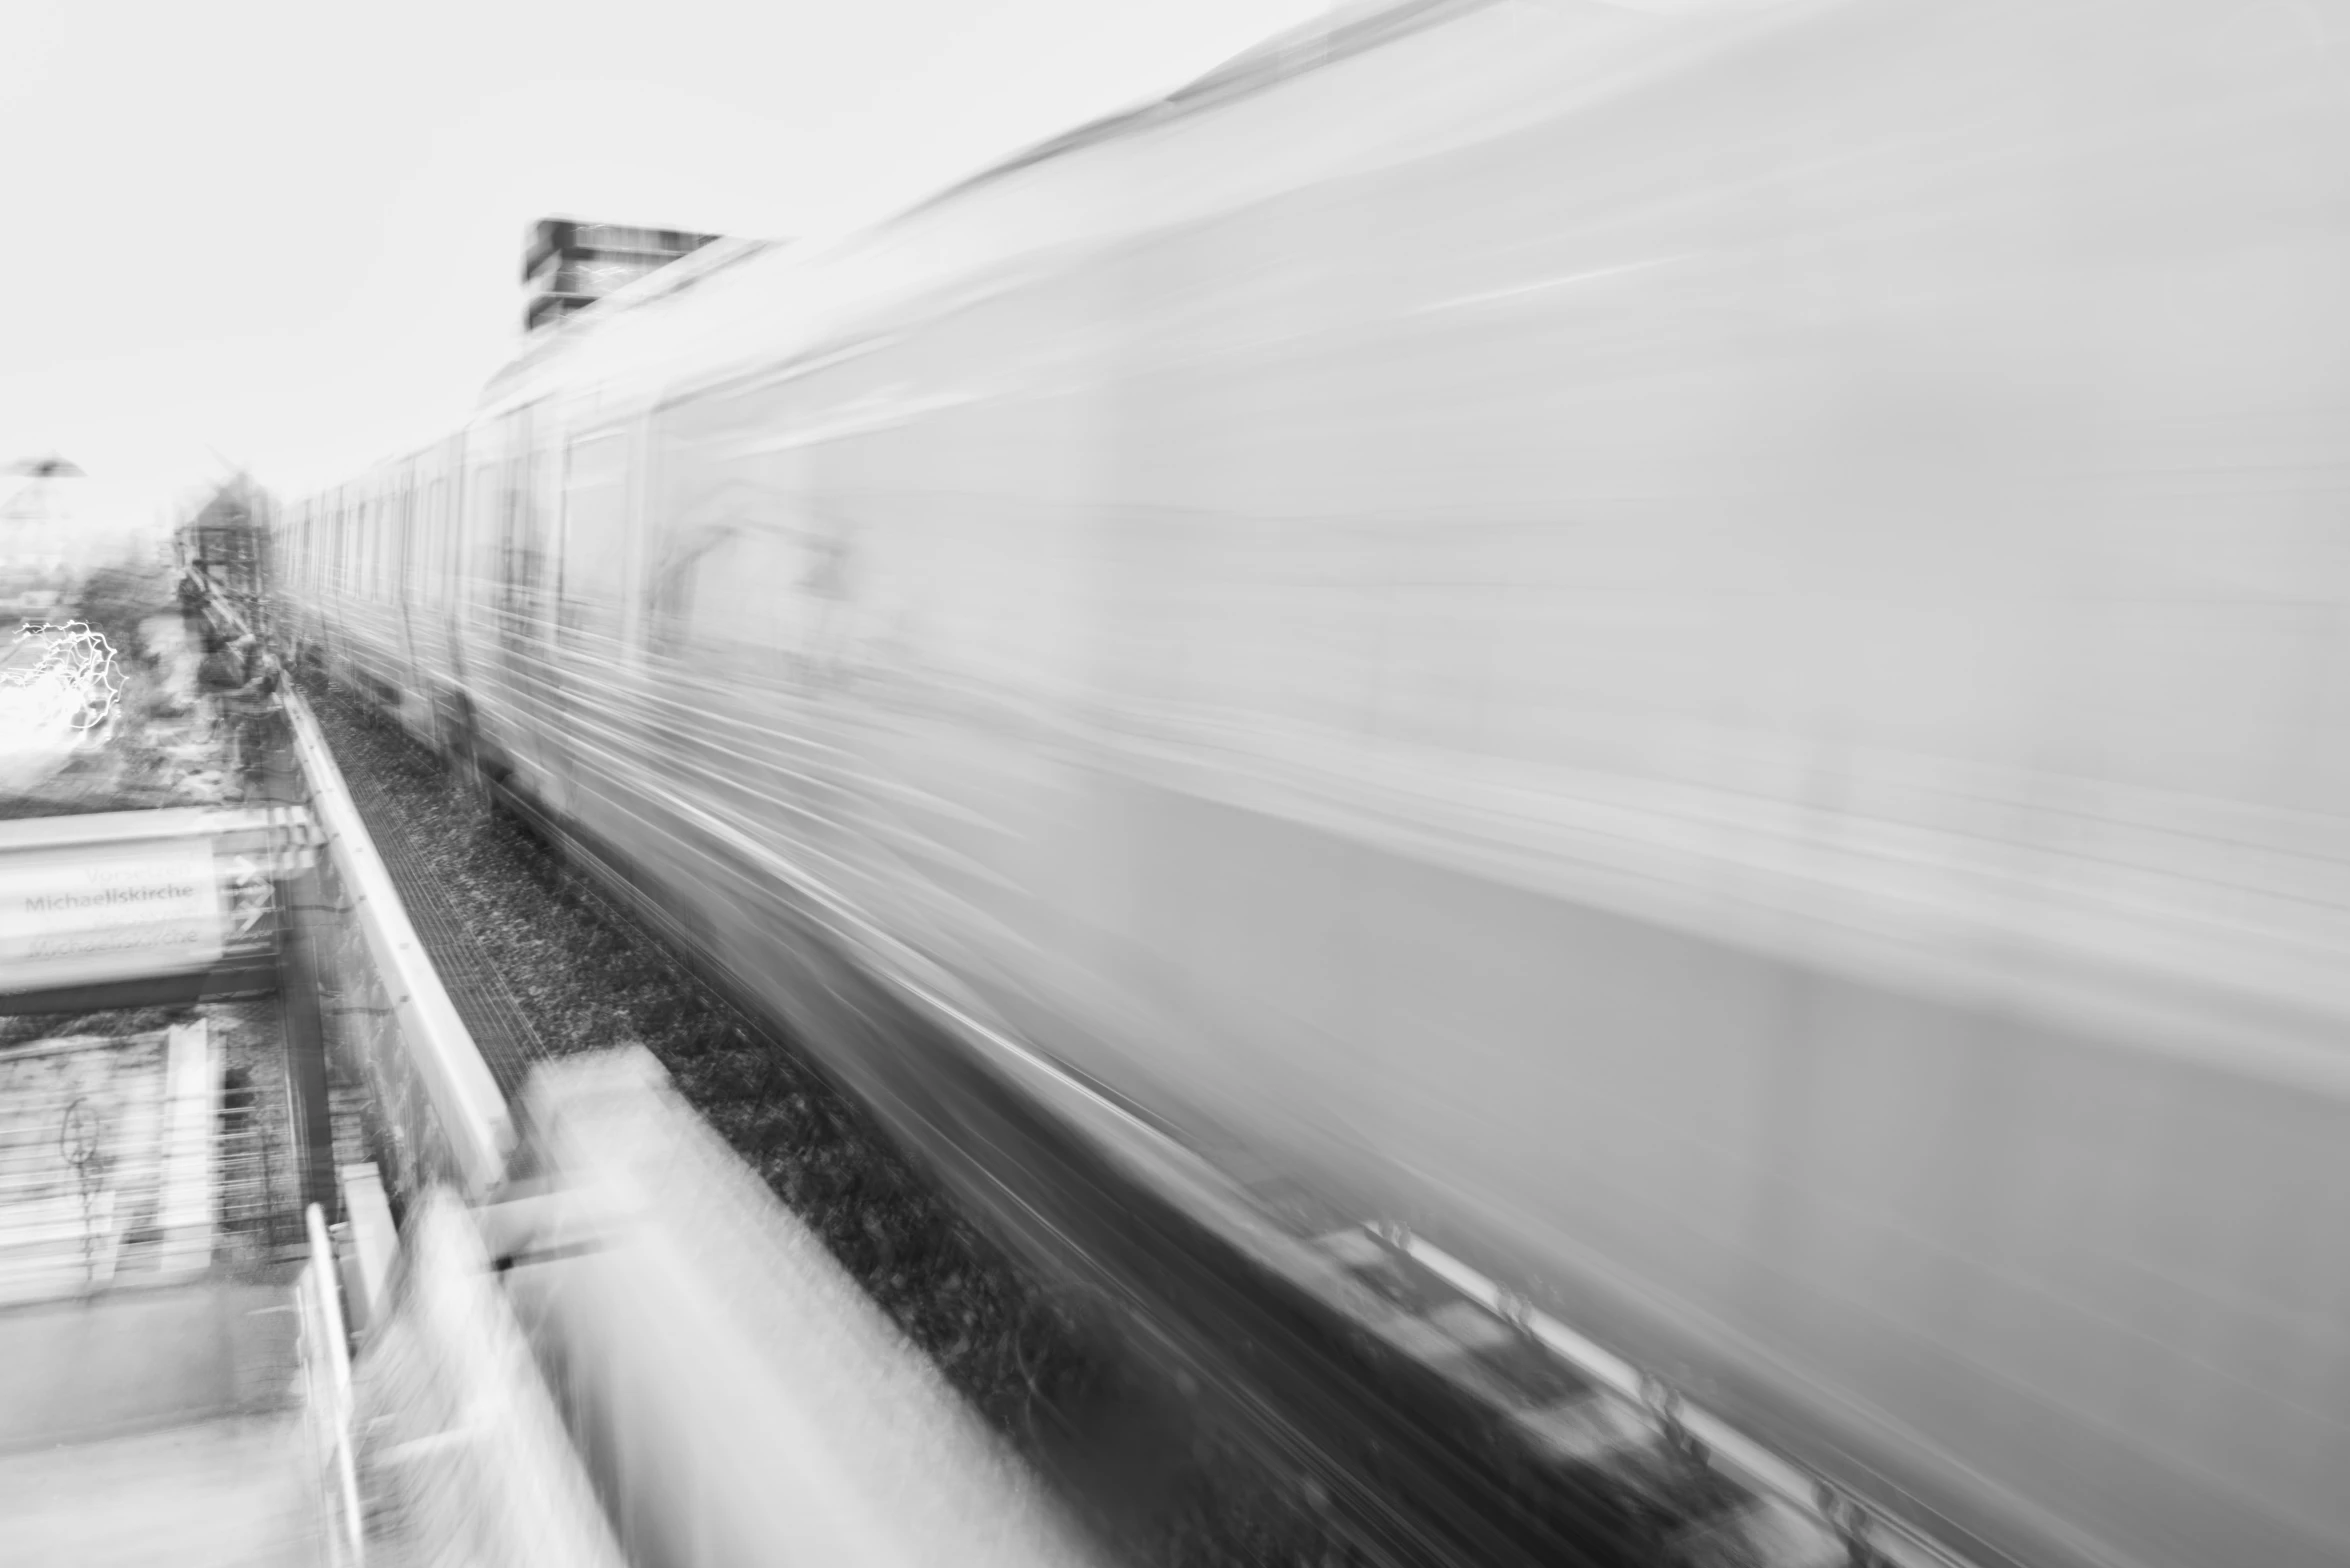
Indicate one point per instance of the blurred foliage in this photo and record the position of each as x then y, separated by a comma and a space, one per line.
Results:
115, 599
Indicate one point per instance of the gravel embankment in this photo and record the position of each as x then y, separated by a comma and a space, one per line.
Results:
1112, 1434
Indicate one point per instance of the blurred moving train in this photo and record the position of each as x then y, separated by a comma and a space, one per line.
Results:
1699, 648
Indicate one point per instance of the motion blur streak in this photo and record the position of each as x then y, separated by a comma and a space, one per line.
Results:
1699, 648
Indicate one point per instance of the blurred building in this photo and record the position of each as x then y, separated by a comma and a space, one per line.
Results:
223, 546
568, 265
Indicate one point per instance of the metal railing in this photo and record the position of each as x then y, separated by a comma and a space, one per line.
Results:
326, 1365
468, 1458
391, 1019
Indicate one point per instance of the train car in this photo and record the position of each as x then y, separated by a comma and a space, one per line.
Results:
1693, 647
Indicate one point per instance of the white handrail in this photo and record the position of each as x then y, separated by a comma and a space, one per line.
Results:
465, 1097
333, 1349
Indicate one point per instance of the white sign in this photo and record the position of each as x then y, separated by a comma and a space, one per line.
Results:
107, 913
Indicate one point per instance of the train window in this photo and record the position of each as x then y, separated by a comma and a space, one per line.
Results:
524, 515
736, 574
412, 525
595, 520
726, 594
481, 518
362, 546
432, 550
400, 548
396, 537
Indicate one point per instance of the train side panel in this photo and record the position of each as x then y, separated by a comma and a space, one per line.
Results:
1676, 716
371, 606
426, 587
1721, 696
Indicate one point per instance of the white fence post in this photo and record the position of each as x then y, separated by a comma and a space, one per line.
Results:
330, 1390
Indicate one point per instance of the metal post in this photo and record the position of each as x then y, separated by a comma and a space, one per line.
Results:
336, 1355
306, 1077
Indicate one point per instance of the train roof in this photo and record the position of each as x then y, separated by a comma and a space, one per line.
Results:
736, 305
662, 284
1348, 31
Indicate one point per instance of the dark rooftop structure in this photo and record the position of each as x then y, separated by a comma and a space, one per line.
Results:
569, 264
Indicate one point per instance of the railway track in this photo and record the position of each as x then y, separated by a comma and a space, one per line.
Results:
1209, 1369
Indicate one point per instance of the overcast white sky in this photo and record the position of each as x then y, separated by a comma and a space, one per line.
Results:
291, 233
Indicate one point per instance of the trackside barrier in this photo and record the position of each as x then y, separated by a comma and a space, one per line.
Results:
466, 1456
445, 1121
326, 1365
440, 1440
741, 1400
